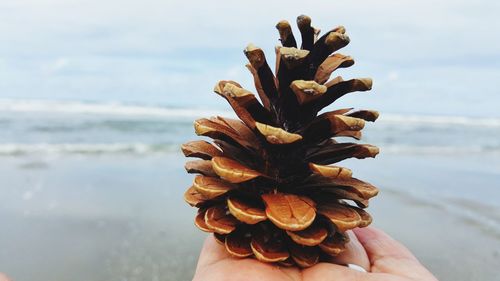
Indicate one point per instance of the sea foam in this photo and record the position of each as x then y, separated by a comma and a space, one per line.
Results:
113, 108
15, 149
76, 107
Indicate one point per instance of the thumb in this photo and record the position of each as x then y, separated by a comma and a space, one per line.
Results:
387, 255
354, 254
4, 277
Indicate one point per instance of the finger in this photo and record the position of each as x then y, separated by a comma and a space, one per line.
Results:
211, 252
4, 277
379, 245
354, 254
389, 256
333, 272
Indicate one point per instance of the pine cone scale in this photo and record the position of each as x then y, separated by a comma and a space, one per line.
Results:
247, 211
289, 211
311, 236
237, 243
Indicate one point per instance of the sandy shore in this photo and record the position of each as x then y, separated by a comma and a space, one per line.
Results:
106, 218
453, 248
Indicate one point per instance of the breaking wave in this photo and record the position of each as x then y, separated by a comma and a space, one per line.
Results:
72, 127
439, 150
440, 120
77, 107
13, 149
18, 149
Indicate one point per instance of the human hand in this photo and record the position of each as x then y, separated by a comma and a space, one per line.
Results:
384, 258
4, 277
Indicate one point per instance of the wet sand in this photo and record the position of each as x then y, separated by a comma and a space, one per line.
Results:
451, 247
122, 218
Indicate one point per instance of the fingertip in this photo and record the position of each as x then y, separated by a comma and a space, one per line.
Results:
211, 252
370, 232
353, 254
210, 243
332, 272
4, 277
379, 244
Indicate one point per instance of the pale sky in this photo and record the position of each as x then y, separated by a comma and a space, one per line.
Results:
424, 56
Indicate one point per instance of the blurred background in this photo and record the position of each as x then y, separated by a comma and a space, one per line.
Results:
97, 96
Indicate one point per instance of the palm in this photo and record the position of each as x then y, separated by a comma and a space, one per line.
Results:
386, 258
218, 265
235, 269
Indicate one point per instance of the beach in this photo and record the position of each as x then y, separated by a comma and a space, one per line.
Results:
122, 217
97, 97
95, 192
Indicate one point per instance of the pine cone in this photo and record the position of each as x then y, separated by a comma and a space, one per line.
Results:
265, 186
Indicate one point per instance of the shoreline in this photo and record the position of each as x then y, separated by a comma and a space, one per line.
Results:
129, 248
451, 247
114, 217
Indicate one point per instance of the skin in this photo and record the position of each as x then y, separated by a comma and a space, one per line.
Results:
4, 277
384, 258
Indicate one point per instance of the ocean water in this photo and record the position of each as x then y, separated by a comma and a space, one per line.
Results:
102, 183
44, 128
40, 126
